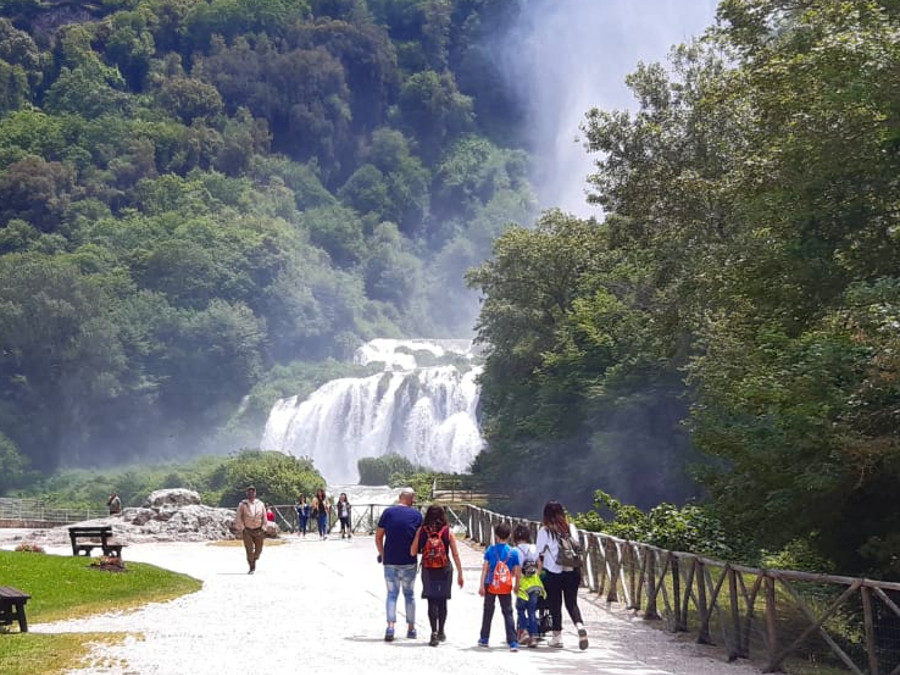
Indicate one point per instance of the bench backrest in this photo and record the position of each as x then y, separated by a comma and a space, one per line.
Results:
90, 531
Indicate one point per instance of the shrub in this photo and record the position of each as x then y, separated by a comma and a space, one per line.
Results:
29, 547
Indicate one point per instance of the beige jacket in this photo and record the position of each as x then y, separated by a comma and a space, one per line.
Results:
252, 515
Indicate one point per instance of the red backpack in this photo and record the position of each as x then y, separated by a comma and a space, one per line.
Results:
501, 579
434, 555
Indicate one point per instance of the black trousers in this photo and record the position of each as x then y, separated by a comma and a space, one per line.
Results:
437, 614
488, 616
563, 585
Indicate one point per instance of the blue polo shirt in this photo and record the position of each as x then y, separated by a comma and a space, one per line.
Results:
400, 524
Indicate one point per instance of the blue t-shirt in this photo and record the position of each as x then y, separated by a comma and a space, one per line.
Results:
400, 524
498, 552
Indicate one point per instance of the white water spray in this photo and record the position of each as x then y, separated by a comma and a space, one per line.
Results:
424, 414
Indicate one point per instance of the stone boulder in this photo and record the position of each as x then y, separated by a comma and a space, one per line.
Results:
172, 497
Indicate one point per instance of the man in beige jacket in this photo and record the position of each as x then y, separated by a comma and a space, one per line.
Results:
250, 523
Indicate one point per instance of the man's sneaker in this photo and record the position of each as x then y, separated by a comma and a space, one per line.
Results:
389, 634
411, 634
513, 646
482, 642
434, 642
442, 636
582, 638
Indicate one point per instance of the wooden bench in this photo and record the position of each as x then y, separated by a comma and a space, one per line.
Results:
92, 534
12, 607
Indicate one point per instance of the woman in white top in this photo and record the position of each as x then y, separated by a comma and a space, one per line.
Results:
560, 582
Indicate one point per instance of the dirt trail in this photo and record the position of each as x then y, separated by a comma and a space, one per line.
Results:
318, 607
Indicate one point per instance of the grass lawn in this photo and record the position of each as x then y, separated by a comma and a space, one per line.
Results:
30, 653
64, 587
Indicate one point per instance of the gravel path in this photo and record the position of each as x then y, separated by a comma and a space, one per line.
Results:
319, 606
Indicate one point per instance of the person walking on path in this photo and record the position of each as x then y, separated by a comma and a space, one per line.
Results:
302, 515
530, 587
250, 523
556, 543
435, 541
321, 507
343, 509
397, 528
500, 576
114, 504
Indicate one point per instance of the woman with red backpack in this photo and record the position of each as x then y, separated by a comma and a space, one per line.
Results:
436, 542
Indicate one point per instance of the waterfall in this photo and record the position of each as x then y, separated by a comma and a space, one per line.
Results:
425, 413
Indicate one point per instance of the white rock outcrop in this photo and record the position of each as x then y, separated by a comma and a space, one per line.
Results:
167, 515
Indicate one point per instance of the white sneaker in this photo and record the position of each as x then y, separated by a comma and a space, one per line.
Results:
556, 640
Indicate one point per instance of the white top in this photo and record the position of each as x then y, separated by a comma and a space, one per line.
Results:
548, 546
527, 552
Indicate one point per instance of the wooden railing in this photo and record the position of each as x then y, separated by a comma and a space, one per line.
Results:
776, 615
34, 513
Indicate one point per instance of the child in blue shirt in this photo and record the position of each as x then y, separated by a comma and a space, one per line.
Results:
503, 588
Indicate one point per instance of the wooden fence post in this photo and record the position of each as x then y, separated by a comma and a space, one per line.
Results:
771, 626
675, 567
869, 623
703, 638
651, 613
612, 562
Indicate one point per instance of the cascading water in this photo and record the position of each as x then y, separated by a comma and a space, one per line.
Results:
426, 414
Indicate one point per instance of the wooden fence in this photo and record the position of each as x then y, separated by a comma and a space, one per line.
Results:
769, 614
34, 513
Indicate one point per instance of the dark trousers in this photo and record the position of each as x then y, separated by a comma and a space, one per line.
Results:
488, 616
559, 586
346, 527
304, 521
437, 614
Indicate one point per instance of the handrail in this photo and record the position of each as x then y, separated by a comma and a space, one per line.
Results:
725, 595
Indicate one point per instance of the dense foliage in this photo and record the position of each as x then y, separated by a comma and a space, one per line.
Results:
745, 280
378, 470
195, 195
221, 481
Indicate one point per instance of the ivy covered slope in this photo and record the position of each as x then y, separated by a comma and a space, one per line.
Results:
195, 193
740, 301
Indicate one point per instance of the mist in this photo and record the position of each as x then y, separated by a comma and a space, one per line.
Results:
564, 57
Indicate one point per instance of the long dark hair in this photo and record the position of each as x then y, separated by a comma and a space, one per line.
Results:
320, 495
555, 518
435, 518
343, 497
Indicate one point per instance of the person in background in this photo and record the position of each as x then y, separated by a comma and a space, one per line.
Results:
302, 515
500, 576
114, 504
435, 542
320, 508
270, 514
343, 511
560, 581
394, 537
249, 523
530, 587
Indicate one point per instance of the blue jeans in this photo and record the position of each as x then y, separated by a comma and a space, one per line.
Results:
303, 522
323, 524
527, 614
397, 577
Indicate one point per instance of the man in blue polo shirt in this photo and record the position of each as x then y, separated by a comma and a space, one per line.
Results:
393, 539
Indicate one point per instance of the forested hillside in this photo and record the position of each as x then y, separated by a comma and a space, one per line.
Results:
742, 297
201, 198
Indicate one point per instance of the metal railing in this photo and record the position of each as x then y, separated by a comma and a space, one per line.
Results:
27, 511
779, 615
